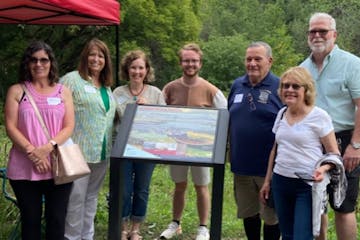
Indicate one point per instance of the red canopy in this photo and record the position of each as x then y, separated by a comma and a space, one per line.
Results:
79, 12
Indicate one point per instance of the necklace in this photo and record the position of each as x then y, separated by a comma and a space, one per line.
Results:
135, 96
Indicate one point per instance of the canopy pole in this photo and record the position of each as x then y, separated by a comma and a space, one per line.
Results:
117, 46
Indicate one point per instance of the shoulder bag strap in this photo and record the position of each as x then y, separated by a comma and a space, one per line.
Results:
276, 145
41, 120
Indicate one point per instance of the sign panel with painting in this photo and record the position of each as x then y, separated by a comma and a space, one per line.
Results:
172, 134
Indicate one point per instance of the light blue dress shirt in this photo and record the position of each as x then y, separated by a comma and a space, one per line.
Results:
337, 85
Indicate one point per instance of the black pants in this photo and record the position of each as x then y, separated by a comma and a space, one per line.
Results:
343, 139
30, 196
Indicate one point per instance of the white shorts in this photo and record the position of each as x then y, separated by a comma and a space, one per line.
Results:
200, 175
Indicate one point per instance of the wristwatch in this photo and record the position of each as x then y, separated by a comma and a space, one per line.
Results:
53, 143
355, 145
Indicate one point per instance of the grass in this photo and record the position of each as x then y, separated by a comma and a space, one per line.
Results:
8, 211
159, 208
160, 205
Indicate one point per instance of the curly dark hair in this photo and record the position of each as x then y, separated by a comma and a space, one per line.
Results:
24, 70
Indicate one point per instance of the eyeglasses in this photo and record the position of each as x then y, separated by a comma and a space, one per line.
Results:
42, 61
294, 86
251, 102
188, 61
322, 32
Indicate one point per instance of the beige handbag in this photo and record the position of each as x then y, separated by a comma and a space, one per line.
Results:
67, 160
68, 164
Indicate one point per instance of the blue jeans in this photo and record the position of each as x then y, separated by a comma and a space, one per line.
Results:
137, 177
293, 205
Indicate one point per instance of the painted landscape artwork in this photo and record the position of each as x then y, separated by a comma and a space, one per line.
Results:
175, 133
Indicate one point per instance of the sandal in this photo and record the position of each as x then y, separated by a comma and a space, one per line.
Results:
135, 235
124, 235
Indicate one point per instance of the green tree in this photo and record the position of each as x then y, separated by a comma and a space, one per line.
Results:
66, 41
12, 43
223, 60
230, 25
345, 13
160, 27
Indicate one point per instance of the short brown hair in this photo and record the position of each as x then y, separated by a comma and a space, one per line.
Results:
129, 58
193, 47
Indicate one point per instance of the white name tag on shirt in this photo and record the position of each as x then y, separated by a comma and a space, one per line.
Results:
53, 100
90, 89
238, 98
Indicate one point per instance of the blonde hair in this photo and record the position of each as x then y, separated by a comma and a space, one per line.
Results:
304, 78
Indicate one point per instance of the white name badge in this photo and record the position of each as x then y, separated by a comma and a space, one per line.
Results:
238, 98
90, 89
53, 100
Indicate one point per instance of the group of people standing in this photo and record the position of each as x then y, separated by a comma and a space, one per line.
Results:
278, 126
189, 90
299, 124
81, 106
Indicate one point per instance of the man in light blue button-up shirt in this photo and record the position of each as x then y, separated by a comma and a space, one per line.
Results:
337, 78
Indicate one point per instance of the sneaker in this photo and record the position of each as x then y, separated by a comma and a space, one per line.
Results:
172, 230
202, 233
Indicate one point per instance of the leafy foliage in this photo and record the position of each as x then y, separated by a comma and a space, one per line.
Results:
224, 59
66, 41
161, 27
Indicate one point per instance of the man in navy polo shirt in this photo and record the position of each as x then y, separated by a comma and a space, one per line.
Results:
253, 104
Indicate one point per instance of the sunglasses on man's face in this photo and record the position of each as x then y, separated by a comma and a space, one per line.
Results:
294, 86
321, 32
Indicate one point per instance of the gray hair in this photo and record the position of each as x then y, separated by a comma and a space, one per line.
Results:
262, 44
319, 15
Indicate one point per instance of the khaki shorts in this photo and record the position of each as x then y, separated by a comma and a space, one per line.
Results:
200, 175
246, 191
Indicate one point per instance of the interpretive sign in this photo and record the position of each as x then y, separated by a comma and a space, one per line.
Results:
171, 133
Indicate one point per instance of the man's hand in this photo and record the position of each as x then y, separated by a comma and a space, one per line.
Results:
351, 158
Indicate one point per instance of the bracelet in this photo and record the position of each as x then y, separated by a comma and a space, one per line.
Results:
53, 143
